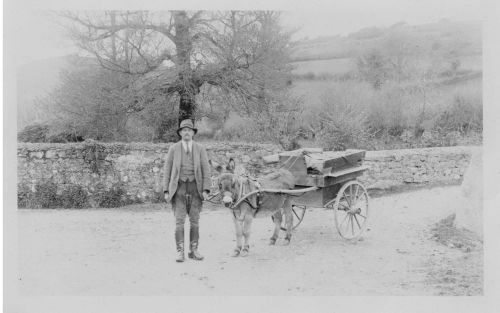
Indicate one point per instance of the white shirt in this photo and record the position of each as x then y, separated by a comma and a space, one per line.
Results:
186, 145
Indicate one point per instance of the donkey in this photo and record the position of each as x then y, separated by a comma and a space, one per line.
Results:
234, 187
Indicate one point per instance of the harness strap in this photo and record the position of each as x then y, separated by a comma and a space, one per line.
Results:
256, 208
258, 201
240, 194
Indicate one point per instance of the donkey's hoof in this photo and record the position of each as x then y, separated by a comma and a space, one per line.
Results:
272, 242
244, 251
236, 252
286, 242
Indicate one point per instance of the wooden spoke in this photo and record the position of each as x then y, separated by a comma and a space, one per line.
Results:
356, 194
347, 199
350, 196
352, 225
346, 226
345, 218
357, 222
345, 208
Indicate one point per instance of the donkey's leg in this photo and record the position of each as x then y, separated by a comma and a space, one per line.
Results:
277, 227
247, 226
287, 209
238, 227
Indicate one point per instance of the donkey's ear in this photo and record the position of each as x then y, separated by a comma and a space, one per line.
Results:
216, 166
231, 165
234, 181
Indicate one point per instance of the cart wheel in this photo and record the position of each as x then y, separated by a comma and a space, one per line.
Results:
351, 210
298, 212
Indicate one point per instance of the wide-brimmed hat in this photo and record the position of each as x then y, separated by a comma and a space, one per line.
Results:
186, 124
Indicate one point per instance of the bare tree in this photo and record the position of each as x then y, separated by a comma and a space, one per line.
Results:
90, 102
241, 54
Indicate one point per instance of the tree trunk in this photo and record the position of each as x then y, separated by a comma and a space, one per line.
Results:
112, 16
183, 45
187, 106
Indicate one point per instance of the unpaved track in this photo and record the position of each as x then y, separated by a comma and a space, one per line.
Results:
131, 252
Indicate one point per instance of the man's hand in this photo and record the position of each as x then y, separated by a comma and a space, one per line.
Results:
206, 195
165, 195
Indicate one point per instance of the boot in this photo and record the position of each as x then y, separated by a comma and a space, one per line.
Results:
194, 254
179, 241
180, 254
193, 244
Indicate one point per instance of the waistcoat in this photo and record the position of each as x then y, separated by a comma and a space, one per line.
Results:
187, 166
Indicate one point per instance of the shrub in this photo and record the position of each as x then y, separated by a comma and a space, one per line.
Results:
64, 136
113, 198
45, 195
33, 133
243, 129
342, 121
373, 67
387, 111
24, 196
463, 115
158, 197
276, 121
74, 196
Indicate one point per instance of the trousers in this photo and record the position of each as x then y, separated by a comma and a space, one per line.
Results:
187, 202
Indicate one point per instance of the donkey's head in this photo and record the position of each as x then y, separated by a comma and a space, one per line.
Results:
227, 182
229, 188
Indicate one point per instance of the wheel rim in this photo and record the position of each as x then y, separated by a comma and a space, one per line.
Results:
298, 212
351, 210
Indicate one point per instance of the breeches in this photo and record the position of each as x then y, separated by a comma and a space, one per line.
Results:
186, 201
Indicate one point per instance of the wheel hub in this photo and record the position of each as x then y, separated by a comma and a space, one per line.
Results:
354, 211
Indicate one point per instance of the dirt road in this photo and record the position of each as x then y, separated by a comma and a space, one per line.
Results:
130, 251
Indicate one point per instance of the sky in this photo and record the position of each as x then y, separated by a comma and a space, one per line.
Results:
38, 37
346, 17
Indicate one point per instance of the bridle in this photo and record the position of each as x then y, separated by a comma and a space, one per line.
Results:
234, 200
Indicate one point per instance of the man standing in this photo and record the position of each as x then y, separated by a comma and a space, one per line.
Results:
186, 181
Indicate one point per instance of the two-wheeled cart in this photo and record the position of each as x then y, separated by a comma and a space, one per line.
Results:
328, 179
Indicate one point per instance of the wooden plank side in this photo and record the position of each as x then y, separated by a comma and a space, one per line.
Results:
330, 180
334, 160
349, 170
345, 161
310, 180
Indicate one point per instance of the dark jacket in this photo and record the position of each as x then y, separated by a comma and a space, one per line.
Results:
172, 169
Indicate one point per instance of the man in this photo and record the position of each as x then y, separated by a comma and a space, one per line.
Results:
186, 181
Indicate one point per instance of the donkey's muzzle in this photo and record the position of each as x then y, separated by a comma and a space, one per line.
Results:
227, 201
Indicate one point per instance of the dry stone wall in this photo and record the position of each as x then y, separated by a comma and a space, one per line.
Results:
402, 169
134, 167
137, 168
